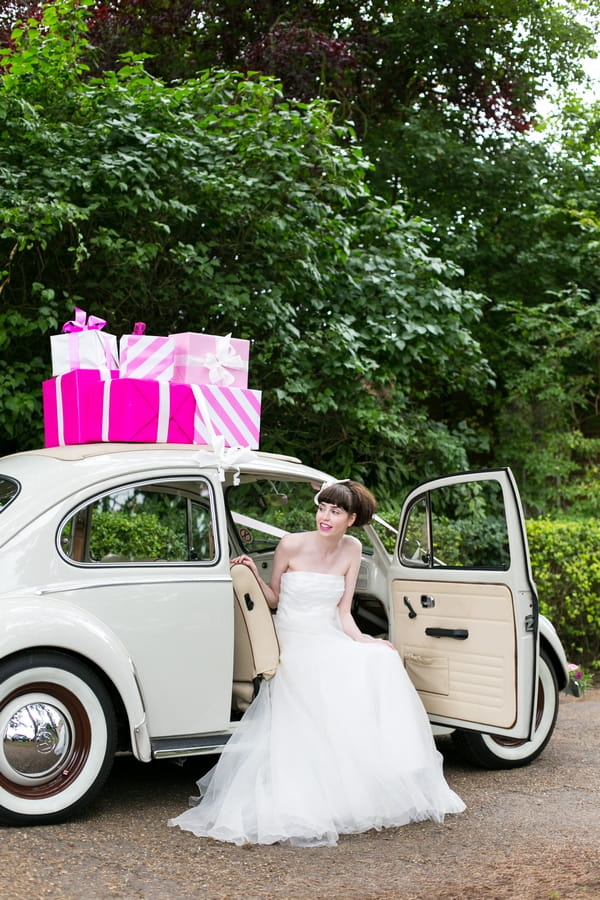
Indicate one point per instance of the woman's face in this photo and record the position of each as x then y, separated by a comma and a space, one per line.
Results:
333, 520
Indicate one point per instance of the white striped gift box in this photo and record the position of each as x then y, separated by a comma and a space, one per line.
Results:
145, 356
226, 412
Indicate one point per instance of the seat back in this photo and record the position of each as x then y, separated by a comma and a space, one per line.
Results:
256, 648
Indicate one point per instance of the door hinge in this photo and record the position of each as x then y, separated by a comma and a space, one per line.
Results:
530, 623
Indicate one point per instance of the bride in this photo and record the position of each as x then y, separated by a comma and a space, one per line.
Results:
338, 742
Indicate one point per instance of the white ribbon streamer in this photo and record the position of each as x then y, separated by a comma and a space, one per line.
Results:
227, 457
164, 412
60, 413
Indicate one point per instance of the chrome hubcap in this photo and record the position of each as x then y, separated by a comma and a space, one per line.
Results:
36, 739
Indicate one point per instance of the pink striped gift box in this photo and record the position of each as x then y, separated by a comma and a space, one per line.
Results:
224, 412
146, 356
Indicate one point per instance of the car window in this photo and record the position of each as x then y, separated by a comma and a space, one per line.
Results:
458, 526
8, 491
160, 522
264, 510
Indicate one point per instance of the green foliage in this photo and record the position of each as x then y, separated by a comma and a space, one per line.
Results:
213, 205
139, 536
51, 44
566, 569
552, 393
21, 374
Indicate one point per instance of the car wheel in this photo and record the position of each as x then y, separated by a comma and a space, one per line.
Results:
495, 752
57, 738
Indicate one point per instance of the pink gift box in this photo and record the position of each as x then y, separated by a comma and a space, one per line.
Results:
66, 406
133, 409
213, 412
209, 359
80, 407
136, 409
145, 356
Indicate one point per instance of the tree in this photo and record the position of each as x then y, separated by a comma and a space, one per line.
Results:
215, 205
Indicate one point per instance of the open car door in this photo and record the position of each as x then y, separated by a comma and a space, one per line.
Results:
464, 613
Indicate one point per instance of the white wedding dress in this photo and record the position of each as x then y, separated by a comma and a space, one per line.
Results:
337, 742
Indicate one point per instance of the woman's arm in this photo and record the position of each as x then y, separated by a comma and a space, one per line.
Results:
347, 620
280, 564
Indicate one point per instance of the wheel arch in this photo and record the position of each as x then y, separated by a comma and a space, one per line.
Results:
549, 641
115, 697
64, 628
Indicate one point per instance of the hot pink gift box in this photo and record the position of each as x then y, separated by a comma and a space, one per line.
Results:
136, 409
210, 359
79, 408
66, 406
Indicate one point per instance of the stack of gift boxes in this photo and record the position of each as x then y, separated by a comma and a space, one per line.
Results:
187, 388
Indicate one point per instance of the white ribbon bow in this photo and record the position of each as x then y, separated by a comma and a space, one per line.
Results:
219, 362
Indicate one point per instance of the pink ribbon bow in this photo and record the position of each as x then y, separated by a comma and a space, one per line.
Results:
83, 322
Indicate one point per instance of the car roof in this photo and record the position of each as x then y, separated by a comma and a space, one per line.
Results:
50, 476
84, 451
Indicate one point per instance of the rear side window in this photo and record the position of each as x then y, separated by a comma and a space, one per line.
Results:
8, 491
159, 522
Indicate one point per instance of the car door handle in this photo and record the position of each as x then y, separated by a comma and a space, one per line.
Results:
459, 634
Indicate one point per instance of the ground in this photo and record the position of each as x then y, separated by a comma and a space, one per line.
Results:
527, 834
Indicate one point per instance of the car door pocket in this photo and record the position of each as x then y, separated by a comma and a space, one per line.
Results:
427, 673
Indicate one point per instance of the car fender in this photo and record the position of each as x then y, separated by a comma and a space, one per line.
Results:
28, 623
551, 640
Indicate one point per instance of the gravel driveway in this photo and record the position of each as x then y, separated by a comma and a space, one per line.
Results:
529, 834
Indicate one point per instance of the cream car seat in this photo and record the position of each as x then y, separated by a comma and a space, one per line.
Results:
256, 648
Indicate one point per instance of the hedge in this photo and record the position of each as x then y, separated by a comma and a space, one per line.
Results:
565, 557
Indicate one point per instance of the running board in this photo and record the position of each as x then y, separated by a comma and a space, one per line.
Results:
189, 746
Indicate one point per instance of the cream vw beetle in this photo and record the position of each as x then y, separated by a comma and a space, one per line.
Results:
123, 627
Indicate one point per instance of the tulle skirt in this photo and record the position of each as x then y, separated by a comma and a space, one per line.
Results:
337, 742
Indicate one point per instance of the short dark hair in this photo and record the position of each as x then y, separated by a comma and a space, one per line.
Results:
351, 496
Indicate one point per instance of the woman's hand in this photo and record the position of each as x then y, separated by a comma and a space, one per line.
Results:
244, 560
367, 639
387, 643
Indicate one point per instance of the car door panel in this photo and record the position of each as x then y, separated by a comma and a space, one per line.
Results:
467, 678
148, 566
463, 606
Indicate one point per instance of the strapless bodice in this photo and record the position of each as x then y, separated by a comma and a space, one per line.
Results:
307, 598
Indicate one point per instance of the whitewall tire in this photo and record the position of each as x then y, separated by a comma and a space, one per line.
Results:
57, 737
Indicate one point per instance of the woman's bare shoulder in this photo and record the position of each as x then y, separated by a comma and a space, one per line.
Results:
295, 538
353, 543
